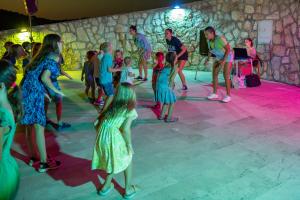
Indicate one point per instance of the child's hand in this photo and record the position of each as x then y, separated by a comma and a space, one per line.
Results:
48, 97
61, 93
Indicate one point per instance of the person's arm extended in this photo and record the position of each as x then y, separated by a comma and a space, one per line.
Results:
65, 74
111, 69
47, 81
183, 50
82, 73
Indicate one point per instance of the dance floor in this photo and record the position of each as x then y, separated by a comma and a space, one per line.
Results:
244, 150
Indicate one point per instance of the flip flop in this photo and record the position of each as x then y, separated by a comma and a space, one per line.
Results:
175, 119
132, 194
105, 192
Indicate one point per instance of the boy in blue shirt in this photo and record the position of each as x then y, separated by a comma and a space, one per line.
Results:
105, 73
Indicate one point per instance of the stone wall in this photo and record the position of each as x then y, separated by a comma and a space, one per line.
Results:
236, 19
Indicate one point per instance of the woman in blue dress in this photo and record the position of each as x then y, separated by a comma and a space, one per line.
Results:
218, 46
36, 78
164, 92
10, 106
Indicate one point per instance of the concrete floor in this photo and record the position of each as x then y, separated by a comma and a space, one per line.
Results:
245, 150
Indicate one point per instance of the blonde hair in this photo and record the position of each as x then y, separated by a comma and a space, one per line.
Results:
124, 101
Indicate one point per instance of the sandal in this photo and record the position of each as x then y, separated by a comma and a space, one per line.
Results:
132, 194
105, 192
175, 119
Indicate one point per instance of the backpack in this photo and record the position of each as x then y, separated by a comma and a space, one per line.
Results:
252, 80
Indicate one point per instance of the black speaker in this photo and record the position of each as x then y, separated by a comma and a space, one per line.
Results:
31, 6
203, 46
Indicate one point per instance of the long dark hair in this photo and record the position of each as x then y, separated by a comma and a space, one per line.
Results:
8, 77
49, 45
250, 40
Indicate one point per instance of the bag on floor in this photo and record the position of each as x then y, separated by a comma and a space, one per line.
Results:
252, 80
238, 82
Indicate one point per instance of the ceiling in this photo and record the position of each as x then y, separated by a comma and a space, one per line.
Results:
76, 9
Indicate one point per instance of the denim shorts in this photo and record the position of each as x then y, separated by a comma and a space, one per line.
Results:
108, 89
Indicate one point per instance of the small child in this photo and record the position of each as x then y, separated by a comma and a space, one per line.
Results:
105, 74
127, 75
156, 70
164, 88
118, 62
113, 147
96, 62
87, 75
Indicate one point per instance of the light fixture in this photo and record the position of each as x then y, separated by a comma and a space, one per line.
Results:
177, 14
23, 30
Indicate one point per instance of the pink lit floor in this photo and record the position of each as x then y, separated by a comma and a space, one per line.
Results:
247, 149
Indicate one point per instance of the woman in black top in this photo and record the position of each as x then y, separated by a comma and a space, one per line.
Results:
175, 45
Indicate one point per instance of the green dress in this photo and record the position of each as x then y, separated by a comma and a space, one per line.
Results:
110, 151
9, 170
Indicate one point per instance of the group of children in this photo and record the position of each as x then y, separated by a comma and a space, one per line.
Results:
106, 73
112, 72
114, 77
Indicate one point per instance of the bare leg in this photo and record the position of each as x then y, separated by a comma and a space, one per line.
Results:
29, 141
128, 179
107, 103
93, 91
107, 182
144, 63
163, 111
226, 74
87, 88
58, 106
141, 67
181, 64
170, 111
215, 73
40, 141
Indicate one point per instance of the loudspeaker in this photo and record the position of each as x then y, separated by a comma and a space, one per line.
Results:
31, 6
203, 46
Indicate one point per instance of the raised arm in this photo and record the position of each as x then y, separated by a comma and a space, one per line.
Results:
65, 74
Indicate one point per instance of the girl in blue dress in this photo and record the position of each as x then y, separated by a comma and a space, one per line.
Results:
164, 92
37, 76
10, 106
